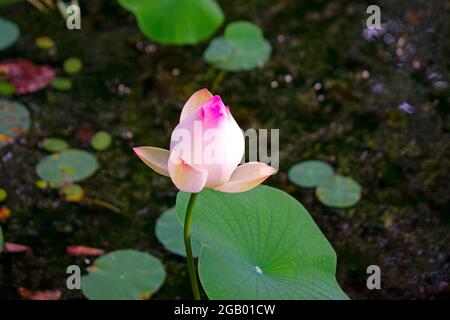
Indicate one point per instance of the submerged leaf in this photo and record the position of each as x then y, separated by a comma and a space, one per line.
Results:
310, 173
69, 166
339, 192
242, 47
9, 33
14, 121
123, 275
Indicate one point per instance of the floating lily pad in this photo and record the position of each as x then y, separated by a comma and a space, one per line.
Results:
14, 121
6, 88
45, 43
1, 239
68, 166
339, 192
41, 184
9, 33
260, 244
54, 144
101, 141
242, 47
123, 275
3, 194
176, 22
170, 233
72, 65
72, 193
310, 173
62, 84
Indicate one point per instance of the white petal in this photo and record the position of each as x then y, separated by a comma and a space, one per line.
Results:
186, 177
155, 158
246, 177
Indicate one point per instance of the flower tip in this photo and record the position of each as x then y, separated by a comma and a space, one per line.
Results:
136, 150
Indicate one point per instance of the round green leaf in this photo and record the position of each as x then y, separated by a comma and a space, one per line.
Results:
260, 244
14, 121
176, 22
68, 166
170, 233
6, 88
9, 32
54, 144
310, 173
61, 84
45, 43
339, 192
3, 194
101, 141
123, 275
72, 65
72, 192
1, 239
242, 47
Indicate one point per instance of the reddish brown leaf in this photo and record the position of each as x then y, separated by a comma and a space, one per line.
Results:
16, 248
39, 295
25, 76
83, 251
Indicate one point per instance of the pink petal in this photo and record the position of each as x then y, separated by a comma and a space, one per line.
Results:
155, 158
16, 248
195, 101
246, 177
83, 251
186, 177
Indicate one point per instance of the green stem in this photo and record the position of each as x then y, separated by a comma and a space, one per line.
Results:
187, 244
218, 80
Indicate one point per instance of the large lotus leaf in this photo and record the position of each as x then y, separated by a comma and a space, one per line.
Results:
242, 47
9, 32
170, 233
339, 192
260, 244
123, 275
310, 173
14, 121
176, 22
68, 166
